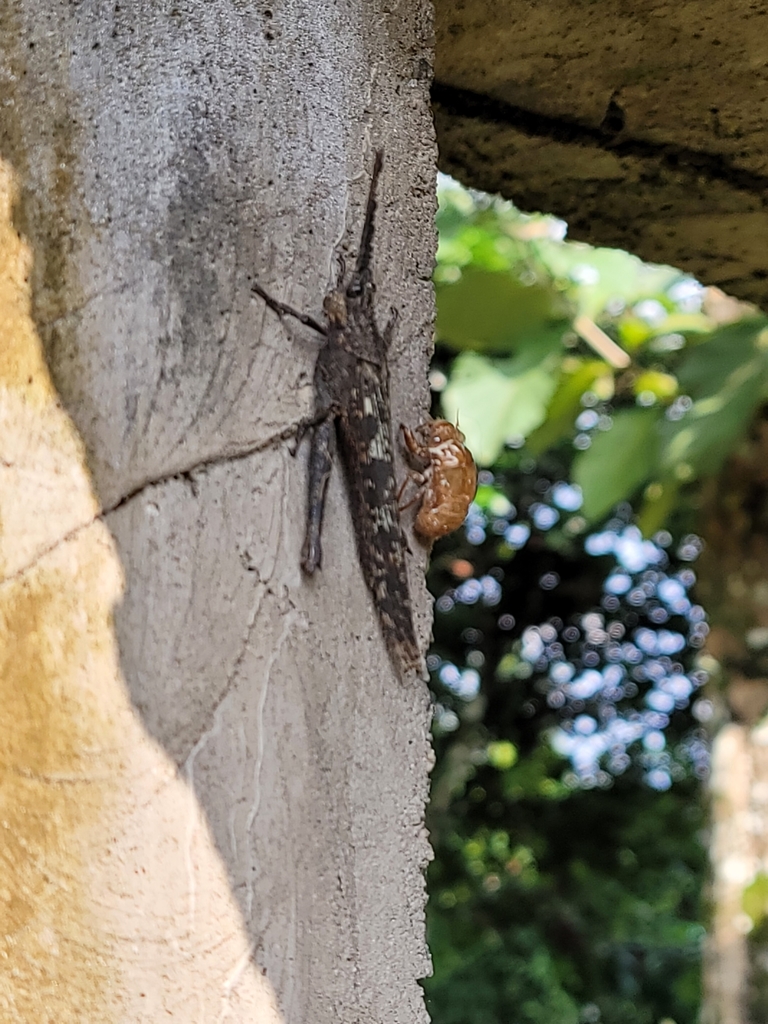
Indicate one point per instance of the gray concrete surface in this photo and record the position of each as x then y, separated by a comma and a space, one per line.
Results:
642, 124
166, 155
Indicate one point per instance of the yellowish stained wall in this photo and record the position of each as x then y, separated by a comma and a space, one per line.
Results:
59, 580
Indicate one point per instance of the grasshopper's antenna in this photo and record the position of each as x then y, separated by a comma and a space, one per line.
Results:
362, 274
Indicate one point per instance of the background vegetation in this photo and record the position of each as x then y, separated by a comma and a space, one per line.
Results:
597, 393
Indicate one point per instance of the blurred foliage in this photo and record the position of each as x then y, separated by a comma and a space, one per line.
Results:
566, 907
509, 292
566, 816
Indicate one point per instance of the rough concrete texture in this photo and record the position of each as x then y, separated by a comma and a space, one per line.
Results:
642, 124
255, 845
113, 894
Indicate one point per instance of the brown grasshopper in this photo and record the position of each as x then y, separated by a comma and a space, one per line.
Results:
351, 384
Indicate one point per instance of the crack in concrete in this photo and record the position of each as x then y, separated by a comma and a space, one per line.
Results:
289, 622
218, 459
699, 163
68, 536
235, 454
125, 286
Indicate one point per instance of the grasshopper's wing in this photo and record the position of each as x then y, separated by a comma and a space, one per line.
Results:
367, 454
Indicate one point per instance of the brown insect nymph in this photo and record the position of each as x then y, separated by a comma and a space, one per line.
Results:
447, 482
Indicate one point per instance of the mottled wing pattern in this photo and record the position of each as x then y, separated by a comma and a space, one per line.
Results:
366, 449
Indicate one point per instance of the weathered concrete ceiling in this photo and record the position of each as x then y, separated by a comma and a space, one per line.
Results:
643, 125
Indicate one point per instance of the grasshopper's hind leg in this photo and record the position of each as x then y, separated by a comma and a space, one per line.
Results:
320, 462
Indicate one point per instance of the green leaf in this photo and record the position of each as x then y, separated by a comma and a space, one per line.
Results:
600, 275
633, 332
618, 461
660, 501
495, 312
754, 899
495, 401
698, 444
728, 378
566, 403
685, 323
661, 385
502, 754
711, 362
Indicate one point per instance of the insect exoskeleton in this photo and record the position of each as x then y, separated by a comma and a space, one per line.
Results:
448, 480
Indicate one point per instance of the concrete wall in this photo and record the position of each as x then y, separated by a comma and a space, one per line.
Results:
212, 783
642, 124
